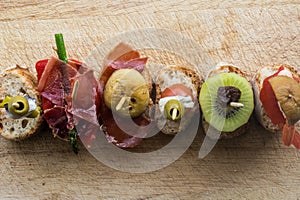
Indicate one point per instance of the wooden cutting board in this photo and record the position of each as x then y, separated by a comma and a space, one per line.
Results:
246, 33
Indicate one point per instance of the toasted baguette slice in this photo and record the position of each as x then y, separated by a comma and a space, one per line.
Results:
169, 76
214, 134
257, 84
18, 81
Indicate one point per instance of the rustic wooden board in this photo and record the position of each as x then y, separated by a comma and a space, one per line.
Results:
246, 33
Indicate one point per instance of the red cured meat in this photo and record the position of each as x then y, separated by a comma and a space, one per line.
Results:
57, 119
56, 86
120, 58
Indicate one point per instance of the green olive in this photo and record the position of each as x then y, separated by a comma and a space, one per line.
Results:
126, 93
5, 101
174, 109
18, 106
35, 113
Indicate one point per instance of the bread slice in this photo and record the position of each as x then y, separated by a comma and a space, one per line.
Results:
169, 76
18, 81
214, 134
257, 83
225, 67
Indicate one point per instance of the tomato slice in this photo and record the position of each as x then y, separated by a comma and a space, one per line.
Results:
269, 101
177, 90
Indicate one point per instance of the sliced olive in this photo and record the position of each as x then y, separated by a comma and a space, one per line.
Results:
5, 101
35, 113
174, 110
18, 106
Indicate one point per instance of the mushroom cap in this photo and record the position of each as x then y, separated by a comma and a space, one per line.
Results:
287, 92
131, 86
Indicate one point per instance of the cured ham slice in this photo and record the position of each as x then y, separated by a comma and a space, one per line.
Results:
117, 129
69, 96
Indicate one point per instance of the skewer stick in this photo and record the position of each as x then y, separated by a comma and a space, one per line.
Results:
236, 104
174, 113
16, 105
120, 104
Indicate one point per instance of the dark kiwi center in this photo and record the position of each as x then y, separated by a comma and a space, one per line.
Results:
226, 95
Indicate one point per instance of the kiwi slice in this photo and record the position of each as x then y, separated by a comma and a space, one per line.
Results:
226, 101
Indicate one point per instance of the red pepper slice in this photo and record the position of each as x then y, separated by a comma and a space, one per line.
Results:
296, 79
290, 136
269, 101
40, 67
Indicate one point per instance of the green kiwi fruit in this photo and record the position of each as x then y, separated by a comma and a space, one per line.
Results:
227, 101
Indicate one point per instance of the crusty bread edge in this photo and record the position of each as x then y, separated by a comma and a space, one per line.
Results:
196, 81
256, 82
31, 80
224, 135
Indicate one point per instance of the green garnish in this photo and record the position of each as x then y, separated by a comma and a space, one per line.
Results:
74, 140
61, 49
36, 112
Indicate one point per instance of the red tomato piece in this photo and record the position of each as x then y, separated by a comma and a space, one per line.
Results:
177, 90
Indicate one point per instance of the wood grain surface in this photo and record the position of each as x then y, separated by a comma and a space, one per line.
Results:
250, 34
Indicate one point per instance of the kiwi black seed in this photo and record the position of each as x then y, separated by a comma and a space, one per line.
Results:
215, 97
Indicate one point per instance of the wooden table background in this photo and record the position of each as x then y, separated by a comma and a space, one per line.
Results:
247, 33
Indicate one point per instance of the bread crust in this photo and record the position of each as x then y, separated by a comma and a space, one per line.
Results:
188, 77
18, 81
215, 134
257, 82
